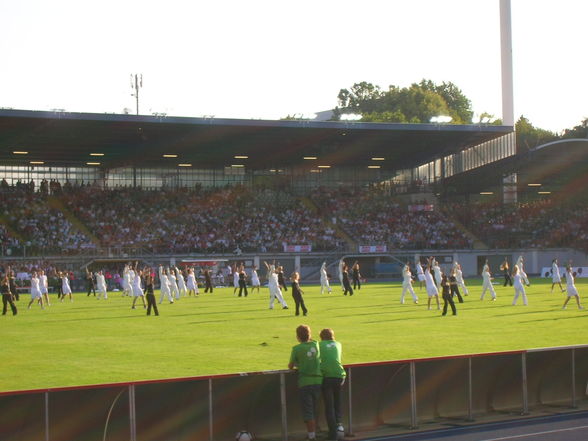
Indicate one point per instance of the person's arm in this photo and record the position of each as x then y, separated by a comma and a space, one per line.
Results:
292, 364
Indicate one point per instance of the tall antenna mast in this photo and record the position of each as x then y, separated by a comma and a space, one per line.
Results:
136, 84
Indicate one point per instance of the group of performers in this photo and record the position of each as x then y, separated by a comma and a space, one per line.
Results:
175, 283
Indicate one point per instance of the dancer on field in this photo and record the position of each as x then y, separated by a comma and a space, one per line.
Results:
208, 281
7, 296
346, 285
242, 282
571, 288
44, 287
297, 294
236, 269
149, 294
181, 282
555, 276
274, 287
90, 282
506, 272
518, 286
447, 297
340, 268
407, 284
420, 272
126, 281
437, 273
35, 291
173, 284
356, 275
487, 282
255, 283
431, 286
65, 288
281, 278
192, 284
137, 289
101, 285
459, 278
164, 286
453, 285
325, 279
521, 264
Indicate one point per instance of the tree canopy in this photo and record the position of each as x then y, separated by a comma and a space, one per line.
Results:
417, 103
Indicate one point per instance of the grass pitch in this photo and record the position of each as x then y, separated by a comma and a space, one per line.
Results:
94, 341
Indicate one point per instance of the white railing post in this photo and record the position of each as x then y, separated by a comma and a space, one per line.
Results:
413, 398
283, 407
210, 415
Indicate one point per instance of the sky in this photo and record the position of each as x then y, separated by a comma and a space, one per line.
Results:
269, 59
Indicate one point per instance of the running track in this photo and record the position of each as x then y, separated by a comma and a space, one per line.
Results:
565, 427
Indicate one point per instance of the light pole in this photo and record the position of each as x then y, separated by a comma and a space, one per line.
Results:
136, 84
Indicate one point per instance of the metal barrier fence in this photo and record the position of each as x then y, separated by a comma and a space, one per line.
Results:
383, 396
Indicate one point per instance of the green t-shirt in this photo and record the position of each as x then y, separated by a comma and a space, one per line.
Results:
331, 359
306, 356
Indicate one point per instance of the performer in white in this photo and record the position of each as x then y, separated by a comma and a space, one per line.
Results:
35, 291
459, 278
432, 290
521, 265
438, 276
325, 279
181, 283
420, 272
173, 284
571, 288
137, 289
341, 266
255, 283
555, 276
236, 271
191, 283
65, 288
407, 284
126, 281
518, 286
101, 285
274, 287
164, 287
487, 282
44, 287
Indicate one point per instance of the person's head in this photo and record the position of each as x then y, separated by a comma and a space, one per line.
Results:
295, 276
303, 333
327, 334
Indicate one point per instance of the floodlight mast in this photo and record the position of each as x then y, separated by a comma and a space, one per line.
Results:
136, 84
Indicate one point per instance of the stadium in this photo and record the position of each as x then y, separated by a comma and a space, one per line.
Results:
89, 198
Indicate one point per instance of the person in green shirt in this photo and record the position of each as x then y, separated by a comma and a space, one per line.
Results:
333, 379
306, 358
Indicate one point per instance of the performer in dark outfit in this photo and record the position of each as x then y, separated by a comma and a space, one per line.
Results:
207, 280
297, 293
242, 282
356, 275
12, 284
505, 270
91, 284
346, 285
7, 298
447, 299
453, 286
149, 294
281, 280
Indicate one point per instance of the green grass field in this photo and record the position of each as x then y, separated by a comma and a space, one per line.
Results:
94, 341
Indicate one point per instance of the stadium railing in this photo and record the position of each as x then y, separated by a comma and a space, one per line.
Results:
380, 398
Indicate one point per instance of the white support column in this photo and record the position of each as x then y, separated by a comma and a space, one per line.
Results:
506, 63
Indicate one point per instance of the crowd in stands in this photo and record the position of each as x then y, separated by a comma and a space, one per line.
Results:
45, 228
240, 219
539, 224
215, 221
372, 217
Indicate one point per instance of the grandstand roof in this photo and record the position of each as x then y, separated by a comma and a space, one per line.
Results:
555, 166
63, 138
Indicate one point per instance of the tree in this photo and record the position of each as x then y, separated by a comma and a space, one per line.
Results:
416, 103
529, 136
579, 131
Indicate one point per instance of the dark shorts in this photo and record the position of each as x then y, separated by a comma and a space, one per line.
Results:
309, 398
